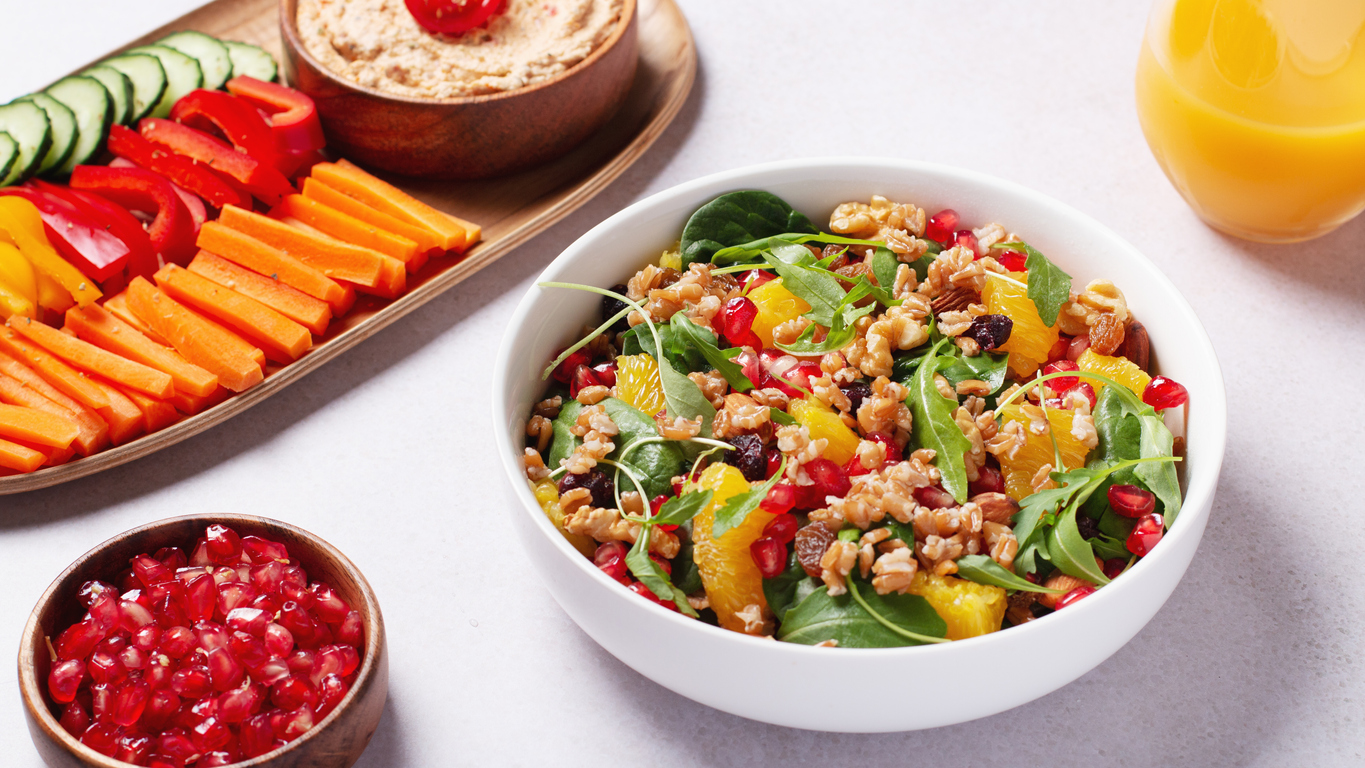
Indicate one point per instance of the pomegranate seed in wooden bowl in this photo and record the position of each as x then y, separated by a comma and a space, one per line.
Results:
264, 644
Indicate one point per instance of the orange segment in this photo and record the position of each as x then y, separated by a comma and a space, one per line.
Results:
969, 609
1119, 369
776, 305
825, 423
547, 493
732, 580
1030, 340
1037, 450
637, 382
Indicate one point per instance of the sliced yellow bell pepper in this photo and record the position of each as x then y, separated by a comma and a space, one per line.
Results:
18, 290
21, 220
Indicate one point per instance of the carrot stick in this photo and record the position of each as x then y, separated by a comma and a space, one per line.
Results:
35, 426
315, 190
351, 180
282, 339
156, 414
92, 359
203, 342
118, 306
53, 369
102, 328
255, 255
124, 418
303, 309
53, 456
94, 432
392, 279
334, 258
344, 227
20, 458
190, 404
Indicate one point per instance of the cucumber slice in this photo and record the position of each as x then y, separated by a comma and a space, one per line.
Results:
251, 61
27, 124
120, 89
182, 75
9, 153
94, 110
148, 78
212, 55
63, 122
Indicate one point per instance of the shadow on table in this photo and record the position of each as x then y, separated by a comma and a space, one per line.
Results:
1330, 263
1209, 681
388, 744
389, 347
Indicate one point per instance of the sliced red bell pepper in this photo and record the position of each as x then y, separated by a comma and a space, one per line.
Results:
172, 232
261, 180
117, 221
293, 115
190, 174
235, 118
296, 164
198, 212
80, 239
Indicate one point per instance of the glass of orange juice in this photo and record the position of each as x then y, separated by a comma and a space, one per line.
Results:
1255, 109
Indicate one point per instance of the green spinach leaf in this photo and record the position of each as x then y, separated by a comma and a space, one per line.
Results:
780, 590
684, 357
751, 251
987, 366
736, 218
656, 464
884, 266
983, 570
564, 441
934, 426
686, 575
817, 288
704, 342
1048, 286
819, 617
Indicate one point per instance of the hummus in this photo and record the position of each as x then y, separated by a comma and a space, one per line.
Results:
378, 44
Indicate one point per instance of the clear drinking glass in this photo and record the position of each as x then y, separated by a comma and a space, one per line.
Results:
1255, 109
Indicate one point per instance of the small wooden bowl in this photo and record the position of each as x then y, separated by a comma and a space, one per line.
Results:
472, 137
335, 742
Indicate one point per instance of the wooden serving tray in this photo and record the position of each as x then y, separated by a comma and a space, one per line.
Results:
511, 210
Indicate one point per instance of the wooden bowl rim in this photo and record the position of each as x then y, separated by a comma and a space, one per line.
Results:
290, 38
31, 689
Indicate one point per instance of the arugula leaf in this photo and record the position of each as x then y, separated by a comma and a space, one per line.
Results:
841, 331
749, 251
1048, 286
738, 507
680, 509
983, 570
781, 417
987, 366
1038, 513
1114, 525
684, 357
735, 218
819, 617
1108, 547
934, 426
1070, 551
1117, 404
904, 364
704, 341
652, 575
817, 288
780, 591
564, 441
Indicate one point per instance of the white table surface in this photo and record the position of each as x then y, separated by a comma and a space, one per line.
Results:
1255, 660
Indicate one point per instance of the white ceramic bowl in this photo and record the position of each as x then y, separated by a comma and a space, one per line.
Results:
789, 684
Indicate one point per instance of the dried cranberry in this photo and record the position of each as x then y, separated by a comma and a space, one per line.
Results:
990, 331
941, 225
1088, 526
856, 392
1131, 501
611, 305
748, 457
811, 543
1012, 260
596, 481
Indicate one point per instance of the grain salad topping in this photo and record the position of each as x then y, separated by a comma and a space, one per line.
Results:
905, 431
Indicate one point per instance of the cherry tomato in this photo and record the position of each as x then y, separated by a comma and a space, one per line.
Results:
453, 17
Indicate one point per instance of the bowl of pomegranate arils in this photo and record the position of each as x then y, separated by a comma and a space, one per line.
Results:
201, 641
829, 420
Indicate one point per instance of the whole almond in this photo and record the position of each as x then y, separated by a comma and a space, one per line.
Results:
996, 507
1063, 582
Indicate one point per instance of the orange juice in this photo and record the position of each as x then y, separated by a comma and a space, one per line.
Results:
1255, 109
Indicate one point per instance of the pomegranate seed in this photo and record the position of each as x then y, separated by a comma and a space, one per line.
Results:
78, 640
75, 719
134, 616
130, 699
270, 672
802, 373
101, 737
210, 734
782, 528
178, 641
105, 611
894, 454
172, 557
662, 563
301, 662
332, 690
91, 590
259, 550
1080, 390
611, 558
169, 611
829, 478
133, 657
299, 594
350, 660
774, 462
267, 577
134, 748
1012, 260
269, 602
781, 499
941, 225
328, 661
192, 682
1074, 595
1162, 393
299, 622
162, 705
934, 497
1114, 566
201, 597
215, 759
583, 377
64, 679
989, 480
158, 671
293, 692
106, 668
1131, 501
211, 636
564, 371
101, 701
1062, 383
1146, 534
175, 744
855, 467
750, 365
253, 621
241, 703
224, 671
770, 555
1077, 348
248, 649
223, 545
605, 373
965, 239
233, 595
296, 723
737, 322
643, 591
351, 631
257, 736
754, 278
